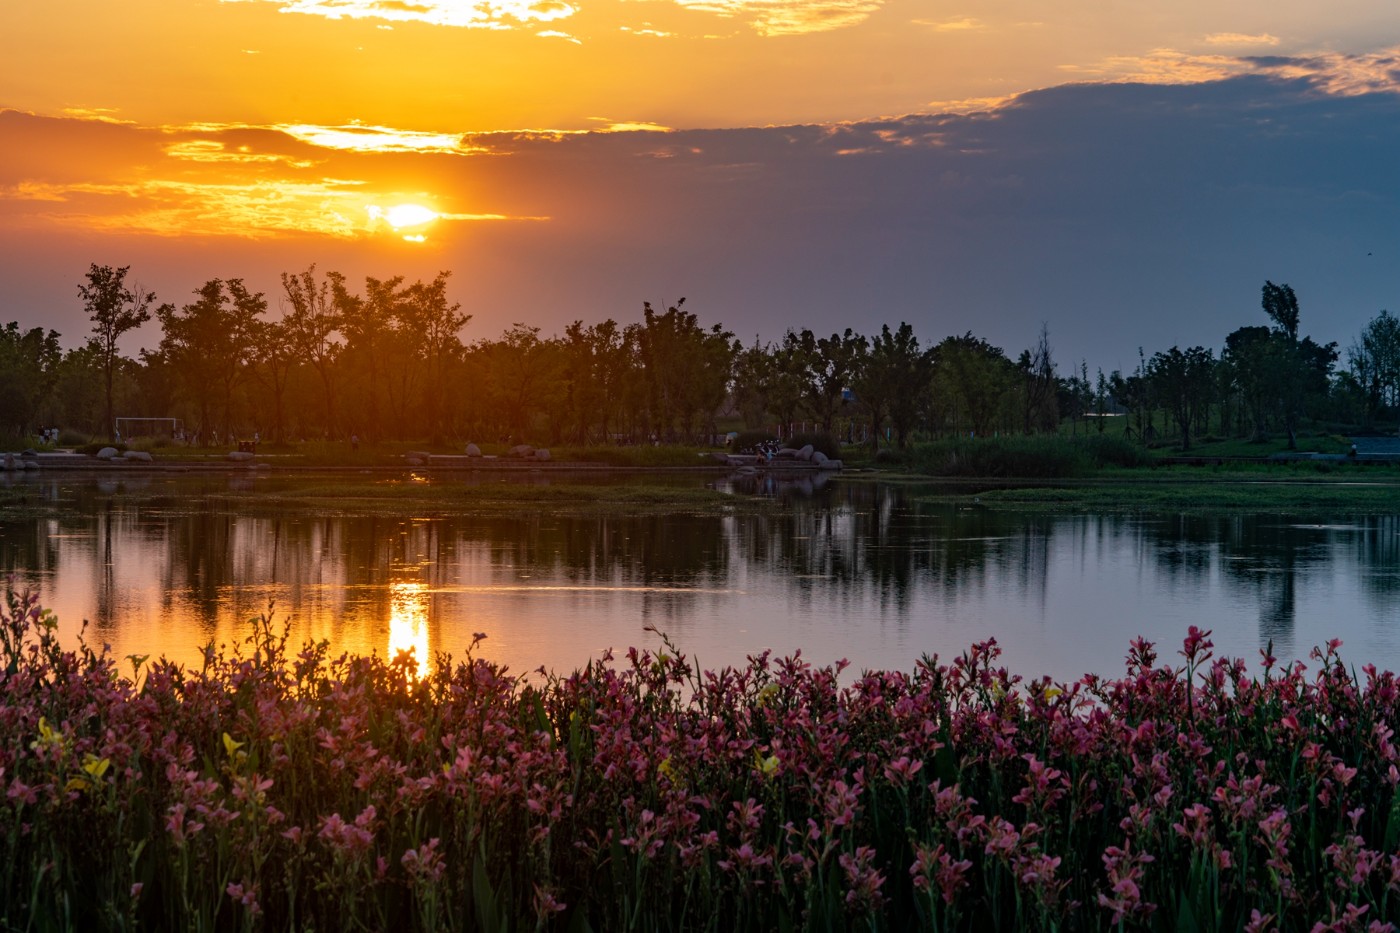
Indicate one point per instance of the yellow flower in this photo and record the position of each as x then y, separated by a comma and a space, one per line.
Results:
766, 766
48, 737
76, 783
96, 767
230, 746
768, 692
667, 769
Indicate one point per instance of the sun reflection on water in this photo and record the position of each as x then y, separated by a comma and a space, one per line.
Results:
408, 622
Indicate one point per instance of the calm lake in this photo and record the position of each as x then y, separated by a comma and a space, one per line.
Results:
874, 573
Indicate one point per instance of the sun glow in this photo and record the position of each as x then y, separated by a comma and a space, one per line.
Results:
408, 623
407, 220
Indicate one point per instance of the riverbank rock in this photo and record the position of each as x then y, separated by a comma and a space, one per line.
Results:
805, 452
140, 456
819, 458
542, 453
473, 450
522, 452
107, 453
240, 456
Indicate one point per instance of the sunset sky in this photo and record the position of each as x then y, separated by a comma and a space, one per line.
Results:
1127, 173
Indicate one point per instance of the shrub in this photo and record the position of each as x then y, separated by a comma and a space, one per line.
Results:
747, 441
91, 449
1024, 457
819, 440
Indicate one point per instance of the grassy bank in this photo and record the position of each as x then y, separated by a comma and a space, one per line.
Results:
311, 454
280, 789
340, 494
1300, 496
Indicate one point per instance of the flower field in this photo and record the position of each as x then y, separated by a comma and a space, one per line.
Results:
285, 789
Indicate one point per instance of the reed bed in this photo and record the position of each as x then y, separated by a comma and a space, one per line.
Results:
277, 788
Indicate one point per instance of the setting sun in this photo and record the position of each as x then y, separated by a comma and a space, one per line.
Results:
409, 215
408, 220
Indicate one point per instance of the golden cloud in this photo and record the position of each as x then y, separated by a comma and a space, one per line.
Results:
208, 150
330, 207
789, 17
469, 14
361, 138
1161, 66
1330, 72
1239, 38
1338, 74
963, 24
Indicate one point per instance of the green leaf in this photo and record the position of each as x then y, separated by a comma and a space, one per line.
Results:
1186, 917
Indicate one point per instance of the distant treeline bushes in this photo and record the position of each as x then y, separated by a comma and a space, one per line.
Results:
389, 362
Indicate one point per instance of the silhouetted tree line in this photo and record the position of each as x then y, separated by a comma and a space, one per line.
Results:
389, 362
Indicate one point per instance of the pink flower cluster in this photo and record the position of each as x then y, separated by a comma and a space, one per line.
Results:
302, 790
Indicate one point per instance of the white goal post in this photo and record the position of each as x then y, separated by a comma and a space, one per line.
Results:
132, 428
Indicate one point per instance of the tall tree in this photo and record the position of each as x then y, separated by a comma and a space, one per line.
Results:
1301, 369
313, 323
1183, 381
687, 367
1375, 363
210, 341
28, 371
972, 382
831, 364
752, 381
1281, 305
271, 363
1250, 371
113, 309
893, 380
434, 326
1039, 410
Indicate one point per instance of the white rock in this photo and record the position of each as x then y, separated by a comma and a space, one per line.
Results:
138, 455
107, 453
542, 453
240, 456
473, 450
806, 451
819, 458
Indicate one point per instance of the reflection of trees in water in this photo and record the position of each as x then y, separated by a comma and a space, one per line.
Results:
849, 545
1378, 551
864, 538
1269, 556
645, 550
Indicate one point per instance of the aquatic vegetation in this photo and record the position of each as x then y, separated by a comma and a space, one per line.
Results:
287, 789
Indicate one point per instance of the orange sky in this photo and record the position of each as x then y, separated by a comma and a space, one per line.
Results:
249, 137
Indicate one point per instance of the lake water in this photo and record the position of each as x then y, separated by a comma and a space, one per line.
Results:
874, 573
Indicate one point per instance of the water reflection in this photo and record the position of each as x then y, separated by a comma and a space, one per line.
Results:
876, 573
408, 623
